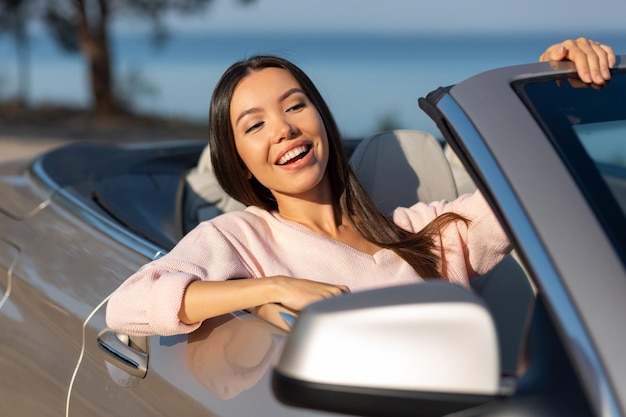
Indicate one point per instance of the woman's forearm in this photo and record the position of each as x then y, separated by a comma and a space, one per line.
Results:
206, 299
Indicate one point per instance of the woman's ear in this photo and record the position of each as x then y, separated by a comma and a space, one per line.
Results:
248, 175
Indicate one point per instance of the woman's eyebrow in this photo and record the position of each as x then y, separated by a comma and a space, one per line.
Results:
290, 92
247, 112
282, 97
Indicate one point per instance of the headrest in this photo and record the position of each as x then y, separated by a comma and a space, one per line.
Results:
401, 167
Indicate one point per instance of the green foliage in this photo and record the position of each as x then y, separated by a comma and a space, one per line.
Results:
14, 18
82, 26
387, 122
63, 30
61, 16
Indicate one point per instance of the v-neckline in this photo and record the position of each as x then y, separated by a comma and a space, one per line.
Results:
295, 225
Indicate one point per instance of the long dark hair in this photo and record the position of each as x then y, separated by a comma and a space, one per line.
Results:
418, 249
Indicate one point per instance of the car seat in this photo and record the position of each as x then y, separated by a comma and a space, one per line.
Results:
401, 167
204, 197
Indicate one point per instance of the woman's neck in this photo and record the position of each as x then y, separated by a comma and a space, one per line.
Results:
326, 219
320, 216
314, 209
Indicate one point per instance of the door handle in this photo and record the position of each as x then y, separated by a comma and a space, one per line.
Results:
122, 355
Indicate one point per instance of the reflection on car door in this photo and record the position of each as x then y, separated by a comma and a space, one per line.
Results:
220, 369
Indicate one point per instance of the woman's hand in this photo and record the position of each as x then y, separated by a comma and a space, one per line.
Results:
293, 295
592, 59
273, 313
296, 294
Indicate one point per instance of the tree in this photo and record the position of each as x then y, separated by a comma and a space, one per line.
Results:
84, 26
14, 17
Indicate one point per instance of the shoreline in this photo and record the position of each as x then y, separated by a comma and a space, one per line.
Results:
25, 132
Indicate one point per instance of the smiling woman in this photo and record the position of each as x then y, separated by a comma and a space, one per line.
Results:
310, 231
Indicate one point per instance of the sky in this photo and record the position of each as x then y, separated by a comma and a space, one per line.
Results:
410, 16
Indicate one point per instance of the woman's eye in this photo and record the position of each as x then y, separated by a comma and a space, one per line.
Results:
296, 107
254, 127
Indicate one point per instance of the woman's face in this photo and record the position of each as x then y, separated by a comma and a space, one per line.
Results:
279, 134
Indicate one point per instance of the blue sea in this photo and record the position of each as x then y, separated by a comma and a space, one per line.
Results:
367, 79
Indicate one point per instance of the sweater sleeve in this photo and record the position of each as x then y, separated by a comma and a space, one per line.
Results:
466, 251
148, 302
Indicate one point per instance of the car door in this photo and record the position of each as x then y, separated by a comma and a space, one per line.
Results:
37, 340
54, 270
219, 370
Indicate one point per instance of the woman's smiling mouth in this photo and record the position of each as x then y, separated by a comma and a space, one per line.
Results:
294, 155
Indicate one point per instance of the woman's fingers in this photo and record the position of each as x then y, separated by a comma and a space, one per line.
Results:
298, 293
593, 59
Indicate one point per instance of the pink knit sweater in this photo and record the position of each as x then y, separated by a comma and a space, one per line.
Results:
256, 243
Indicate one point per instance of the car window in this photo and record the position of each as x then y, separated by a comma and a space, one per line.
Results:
605, 143
587, 125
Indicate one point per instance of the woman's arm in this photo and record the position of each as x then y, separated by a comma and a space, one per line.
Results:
196, 281
206, 299
467, 249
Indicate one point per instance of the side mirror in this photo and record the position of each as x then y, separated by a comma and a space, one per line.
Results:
419, 350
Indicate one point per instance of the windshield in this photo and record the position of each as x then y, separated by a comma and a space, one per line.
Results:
587, 125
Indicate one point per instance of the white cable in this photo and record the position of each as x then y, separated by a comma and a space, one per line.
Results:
80, 357
5, 297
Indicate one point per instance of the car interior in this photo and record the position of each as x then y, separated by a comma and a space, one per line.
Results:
146, 190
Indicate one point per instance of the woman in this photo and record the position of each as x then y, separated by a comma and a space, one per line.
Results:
309, 232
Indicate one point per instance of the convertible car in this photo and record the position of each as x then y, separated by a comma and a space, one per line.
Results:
542, 334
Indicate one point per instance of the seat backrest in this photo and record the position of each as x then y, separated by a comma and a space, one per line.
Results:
398, 169
401, 167
204, 197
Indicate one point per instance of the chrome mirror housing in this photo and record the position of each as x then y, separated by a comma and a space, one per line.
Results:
433, 345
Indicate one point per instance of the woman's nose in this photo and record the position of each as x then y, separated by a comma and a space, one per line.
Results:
285, 129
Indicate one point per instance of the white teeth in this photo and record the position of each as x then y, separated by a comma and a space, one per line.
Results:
292, 154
